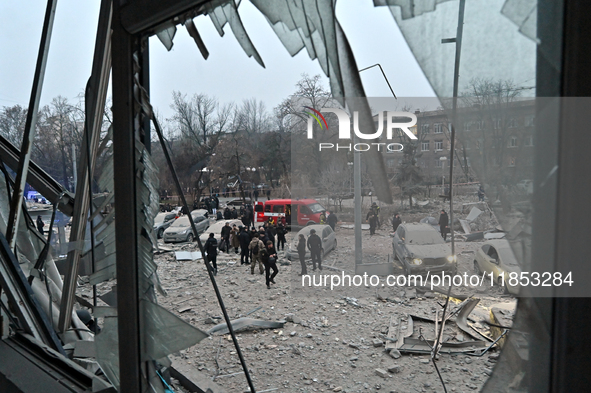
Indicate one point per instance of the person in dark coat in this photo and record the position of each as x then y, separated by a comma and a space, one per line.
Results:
40, 225
255, 193
281, 231
227, 214
269, 257
271, 232
211, 249
315, 246
263, 236
443, 223
215, 203
302, 253
396, 221
373, 222
234, 213
244, 239
332, 220
225, 234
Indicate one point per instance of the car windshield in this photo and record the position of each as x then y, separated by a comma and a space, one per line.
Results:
507, 256
423, 237
160, 218
183, 221
316, 208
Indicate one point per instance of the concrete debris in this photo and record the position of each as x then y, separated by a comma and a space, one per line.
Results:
474, 213
381, 373
494, 235
245, 324
187, 255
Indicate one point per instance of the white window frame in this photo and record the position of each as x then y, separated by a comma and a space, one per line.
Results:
425, 144
438, 143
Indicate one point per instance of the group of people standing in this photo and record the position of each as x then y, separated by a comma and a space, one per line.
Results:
255, 246
314, 245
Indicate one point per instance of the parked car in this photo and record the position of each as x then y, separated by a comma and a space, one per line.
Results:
329, 241
163, 221
180, 230
216, 229
496, 257
420, 249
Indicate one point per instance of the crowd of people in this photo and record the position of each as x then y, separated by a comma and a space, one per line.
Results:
255, 246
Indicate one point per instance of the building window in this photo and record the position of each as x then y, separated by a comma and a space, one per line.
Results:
512, 123
497, 123
478, 125
512, 142
425, 146
391, 163
438, 128
425, 128
467, 125
529, 140
438, 145
529, 121
438, 163
512, 161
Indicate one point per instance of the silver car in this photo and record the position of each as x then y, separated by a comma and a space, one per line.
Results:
496, 257
163, 221
180, 230
329, 241
419, 248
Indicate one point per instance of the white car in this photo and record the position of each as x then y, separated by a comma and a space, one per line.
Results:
329, 241
496, 257
216, 229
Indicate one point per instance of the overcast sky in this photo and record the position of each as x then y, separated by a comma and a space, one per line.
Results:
228, 74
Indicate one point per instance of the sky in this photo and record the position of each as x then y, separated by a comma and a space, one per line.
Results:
228, 74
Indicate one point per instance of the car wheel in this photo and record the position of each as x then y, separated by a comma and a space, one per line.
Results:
190, 238
160, 233
310, 223
477, 270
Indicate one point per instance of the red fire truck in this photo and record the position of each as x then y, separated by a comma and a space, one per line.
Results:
299, 212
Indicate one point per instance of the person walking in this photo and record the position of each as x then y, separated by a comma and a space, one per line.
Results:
373, 221
332, 220
225, 235
215, 203
269, 258
40, 225
302, 253
271, 232
281, 231
443, 224
396, 220
255, 194
244, 239
211, 249
480, 194
376, 212
234, 242
256, 248
315, 246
